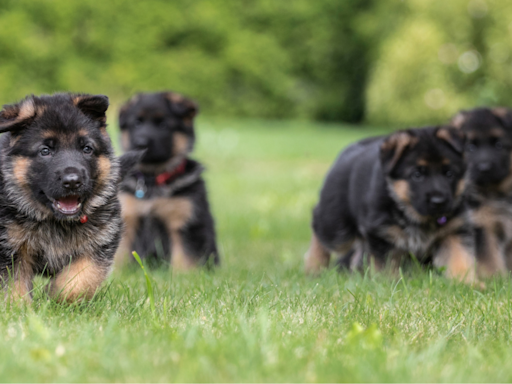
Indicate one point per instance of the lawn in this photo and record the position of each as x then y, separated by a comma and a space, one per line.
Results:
257, 317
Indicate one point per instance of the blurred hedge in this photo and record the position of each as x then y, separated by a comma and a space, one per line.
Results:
266, 58
386, 61
442, 56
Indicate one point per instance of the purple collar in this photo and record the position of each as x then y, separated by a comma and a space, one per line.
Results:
442, 220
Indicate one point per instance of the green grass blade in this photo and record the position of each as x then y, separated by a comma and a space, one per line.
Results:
148, 282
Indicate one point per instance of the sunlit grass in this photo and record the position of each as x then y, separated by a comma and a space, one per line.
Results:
258, 318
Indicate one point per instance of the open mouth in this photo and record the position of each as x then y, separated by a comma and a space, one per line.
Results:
68, 205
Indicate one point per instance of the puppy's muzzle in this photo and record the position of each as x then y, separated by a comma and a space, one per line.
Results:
72, 179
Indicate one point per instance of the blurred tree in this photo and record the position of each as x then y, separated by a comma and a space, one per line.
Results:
387, 61
443, 56
261, 58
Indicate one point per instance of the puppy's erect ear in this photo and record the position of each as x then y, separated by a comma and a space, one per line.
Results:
459, 119
15, 117
93, 106
128, 161
125, 109
504, 115
392, 149
181, 106
453, 136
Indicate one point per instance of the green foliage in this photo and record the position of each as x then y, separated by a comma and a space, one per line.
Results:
443, 56
408, 62
254, 58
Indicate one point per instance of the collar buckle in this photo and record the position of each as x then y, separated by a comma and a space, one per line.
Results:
140, 188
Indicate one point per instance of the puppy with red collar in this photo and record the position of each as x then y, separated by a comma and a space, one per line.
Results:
164, 199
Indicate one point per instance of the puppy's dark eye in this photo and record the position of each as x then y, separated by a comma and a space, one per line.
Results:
448, 174
418, 175
498, 144
471, 147
87, 149
139, 120
45, 151
158, 121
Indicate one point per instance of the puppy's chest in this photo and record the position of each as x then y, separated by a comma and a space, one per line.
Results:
174, 212
410, 239
53, 244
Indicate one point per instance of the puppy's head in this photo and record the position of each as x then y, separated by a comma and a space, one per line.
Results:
161, 123
425, 170
489, 143
57, 158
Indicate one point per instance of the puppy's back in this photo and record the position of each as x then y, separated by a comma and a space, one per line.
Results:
348, 184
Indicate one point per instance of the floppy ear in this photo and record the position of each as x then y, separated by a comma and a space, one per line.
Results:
392, 149
93, 106
15, 117
128, 161
453, 136
504, 115
182, 106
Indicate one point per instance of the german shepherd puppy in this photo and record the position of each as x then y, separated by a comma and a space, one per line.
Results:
58, 195
392, 196
164, 198
489, 154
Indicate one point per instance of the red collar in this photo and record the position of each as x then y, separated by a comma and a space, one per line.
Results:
164, 177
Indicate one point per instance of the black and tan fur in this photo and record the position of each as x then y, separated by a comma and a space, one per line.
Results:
172, 220
57, 167
389, 197
489, 154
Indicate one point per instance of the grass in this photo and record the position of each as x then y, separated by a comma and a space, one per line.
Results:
258, 318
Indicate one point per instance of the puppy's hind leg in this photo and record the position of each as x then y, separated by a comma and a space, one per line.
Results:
353, 259
317, 257
198, 242
457, 254
490, 257
17, 279
132, 210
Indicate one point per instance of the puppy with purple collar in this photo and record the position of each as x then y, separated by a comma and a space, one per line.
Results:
390, 197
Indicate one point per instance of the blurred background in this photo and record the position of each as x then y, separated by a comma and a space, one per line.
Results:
384, 62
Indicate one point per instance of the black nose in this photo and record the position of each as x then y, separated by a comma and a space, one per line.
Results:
438, 200
71, 179
140, 142
484, 166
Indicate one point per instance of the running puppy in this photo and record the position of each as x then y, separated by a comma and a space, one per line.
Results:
164, 199
392, 196
58, 195
489, 153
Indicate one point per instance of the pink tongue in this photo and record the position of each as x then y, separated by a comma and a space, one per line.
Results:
68, 203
